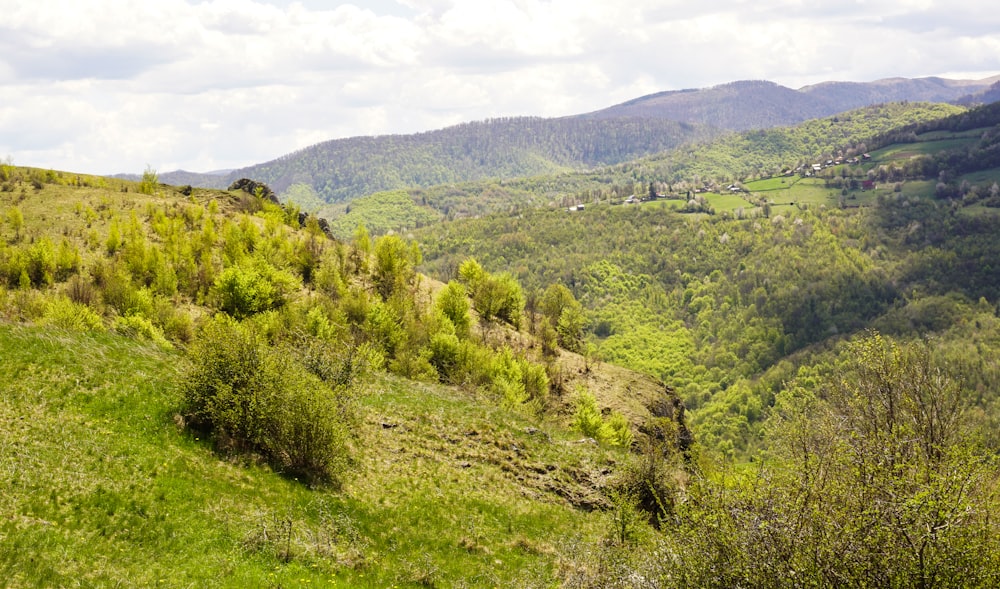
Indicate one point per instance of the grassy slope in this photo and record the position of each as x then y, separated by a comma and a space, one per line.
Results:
99, 486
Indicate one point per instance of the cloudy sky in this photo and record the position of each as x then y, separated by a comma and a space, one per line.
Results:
106, 86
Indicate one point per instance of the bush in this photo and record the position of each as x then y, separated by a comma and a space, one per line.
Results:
453, 302
139, 327
518, 381
63, 313
587, 418
445, 350
245, 289
252, 398
615, 430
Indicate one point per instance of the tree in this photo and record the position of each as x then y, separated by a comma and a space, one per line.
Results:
150, 180
16, 220
453, 302
889, 491
395, 263
565, 315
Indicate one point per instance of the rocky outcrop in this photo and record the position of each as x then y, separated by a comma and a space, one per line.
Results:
255, 188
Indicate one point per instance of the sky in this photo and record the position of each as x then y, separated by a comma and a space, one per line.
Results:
109, 86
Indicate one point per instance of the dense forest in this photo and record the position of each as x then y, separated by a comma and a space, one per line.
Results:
343, 169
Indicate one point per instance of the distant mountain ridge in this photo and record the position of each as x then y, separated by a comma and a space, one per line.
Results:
759, 104
214, 179
343, 169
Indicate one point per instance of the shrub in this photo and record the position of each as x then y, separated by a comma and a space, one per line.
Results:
615, 430
149, 181
384, 327
245, 289
518, 381
453, 302
445, 350
140, 327
41, 262
619, 432
499, 297
64, 313
587, 418
252, 398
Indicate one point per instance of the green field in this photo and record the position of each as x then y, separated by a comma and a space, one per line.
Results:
899, 151
777, 183
728, 202
982, 177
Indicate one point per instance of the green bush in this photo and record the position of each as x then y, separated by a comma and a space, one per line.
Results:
587, 417
453, 302
252, 398
140, 327
445, 350
517, 381
63, 313
615, 430
245, 289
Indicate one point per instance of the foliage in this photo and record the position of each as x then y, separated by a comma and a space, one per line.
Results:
494, 297
379, 213
344, 169
244, 290
453, 302
589, 421
63, 313
149, 181
565, 315
252, 398
395, 263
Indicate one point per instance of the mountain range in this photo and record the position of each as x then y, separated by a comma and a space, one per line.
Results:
341, 170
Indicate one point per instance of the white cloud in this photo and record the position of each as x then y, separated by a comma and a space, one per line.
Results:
111, 85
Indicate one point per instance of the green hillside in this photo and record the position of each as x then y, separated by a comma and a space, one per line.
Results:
678, 173
201, 391
724, 306
102, 487
783, 381
344, 169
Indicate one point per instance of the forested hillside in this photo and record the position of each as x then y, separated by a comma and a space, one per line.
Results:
678, 174
340, 170
344, 169
835, 339
725, 307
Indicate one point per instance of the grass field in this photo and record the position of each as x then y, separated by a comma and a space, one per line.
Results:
982, 177
767, 184
908, 150
728, 202
99, 487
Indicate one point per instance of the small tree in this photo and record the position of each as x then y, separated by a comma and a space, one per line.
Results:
16, 220
149, 181
453, 302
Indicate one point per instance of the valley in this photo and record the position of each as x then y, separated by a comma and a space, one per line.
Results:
663, 356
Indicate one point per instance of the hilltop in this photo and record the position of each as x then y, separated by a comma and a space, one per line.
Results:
758, 104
